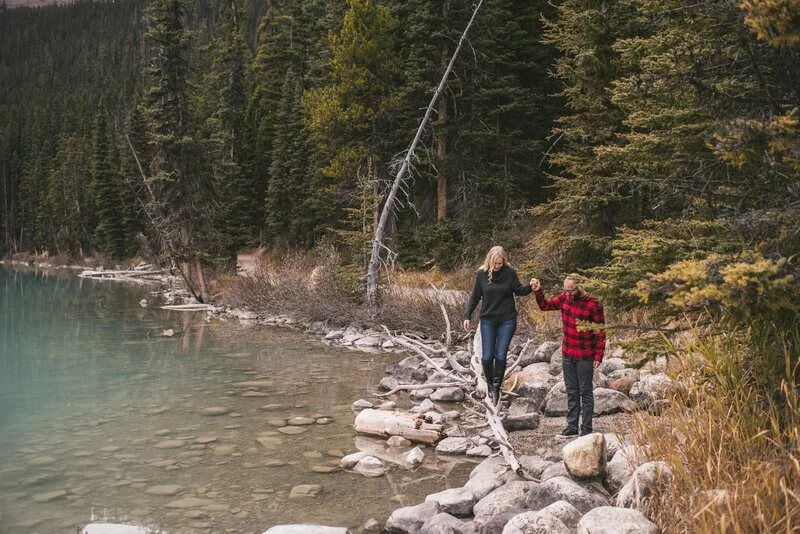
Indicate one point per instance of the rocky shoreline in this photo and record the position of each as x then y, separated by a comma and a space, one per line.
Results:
596, 483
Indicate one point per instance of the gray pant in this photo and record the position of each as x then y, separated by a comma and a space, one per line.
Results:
578, 375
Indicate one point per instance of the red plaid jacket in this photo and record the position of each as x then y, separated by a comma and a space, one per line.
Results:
577, 345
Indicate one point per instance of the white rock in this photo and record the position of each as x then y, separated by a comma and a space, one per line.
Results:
361, 404
586, 456
613, 520
369, 466
111, 528
535, 523
349, 461
415, 457
306, 529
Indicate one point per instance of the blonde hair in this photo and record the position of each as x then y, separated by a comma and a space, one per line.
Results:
494, 253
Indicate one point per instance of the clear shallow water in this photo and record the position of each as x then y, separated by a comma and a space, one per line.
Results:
98, 411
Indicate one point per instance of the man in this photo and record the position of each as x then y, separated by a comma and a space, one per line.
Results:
581, 350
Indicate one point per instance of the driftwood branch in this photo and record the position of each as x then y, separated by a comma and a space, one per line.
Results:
491, 416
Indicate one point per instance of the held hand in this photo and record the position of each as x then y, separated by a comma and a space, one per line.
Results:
596, 364
466, 325
535, 284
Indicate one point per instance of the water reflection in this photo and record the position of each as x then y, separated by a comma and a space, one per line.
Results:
104, 418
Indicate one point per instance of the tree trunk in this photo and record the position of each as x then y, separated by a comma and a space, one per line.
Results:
386, 424
377, 242
441, 139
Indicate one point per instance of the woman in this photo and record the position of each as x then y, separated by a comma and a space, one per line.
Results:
496, 283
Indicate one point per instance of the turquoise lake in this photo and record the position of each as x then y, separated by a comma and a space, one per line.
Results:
104, 419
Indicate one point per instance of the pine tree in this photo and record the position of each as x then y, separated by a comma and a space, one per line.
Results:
586, 199
183, 193
349, 119
109, 231
239, 209
286, 220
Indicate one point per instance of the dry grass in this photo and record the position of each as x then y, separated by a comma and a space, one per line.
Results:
730, 430
317, 288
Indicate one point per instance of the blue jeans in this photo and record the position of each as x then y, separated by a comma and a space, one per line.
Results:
496, 338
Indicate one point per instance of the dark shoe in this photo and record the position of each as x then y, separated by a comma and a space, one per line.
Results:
585, 432
569, 432
489, 375
496, 393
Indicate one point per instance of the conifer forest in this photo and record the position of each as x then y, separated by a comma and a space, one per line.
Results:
650, 144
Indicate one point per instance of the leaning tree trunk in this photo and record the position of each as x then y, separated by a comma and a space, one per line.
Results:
377, 241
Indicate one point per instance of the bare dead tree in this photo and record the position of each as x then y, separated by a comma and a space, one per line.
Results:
391, 199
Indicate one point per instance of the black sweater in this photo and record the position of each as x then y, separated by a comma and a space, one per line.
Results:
498, 295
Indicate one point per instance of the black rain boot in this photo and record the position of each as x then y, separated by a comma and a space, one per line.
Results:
488, 375
499, 375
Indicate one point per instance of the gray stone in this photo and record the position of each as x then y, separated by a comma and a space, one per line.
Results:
455, 445
305, 490
622, 466
568, 514
50, 496
584, 497
189, 502
545, 351
167, 489
361, 404
411, 518
454, 501
535, 523
445, 524
510, 495
349, 461
651, 388
369, 466
649, 479
215, 410
613, 520
306, 529
454, 394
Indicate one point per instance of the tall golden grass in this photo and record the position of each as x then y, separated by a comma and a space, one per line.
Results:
731, 435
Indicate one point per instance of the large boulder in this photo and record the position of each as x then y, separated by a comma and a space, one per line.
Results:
511, 495
445, 524
609, 365
555, 402
586, 456
535, 523
623, 464
652, 478
454, 501
455, 445
544, 352
568, 514
651, 388
411, 518
584, 496
613, 520
609, 401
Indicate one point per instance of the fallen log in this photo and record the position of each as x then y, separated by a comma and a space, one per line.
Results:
385, 424
188, 307
120, 274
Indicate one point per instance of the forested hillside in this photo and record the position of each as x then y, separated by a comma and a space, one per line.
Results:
624, 138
